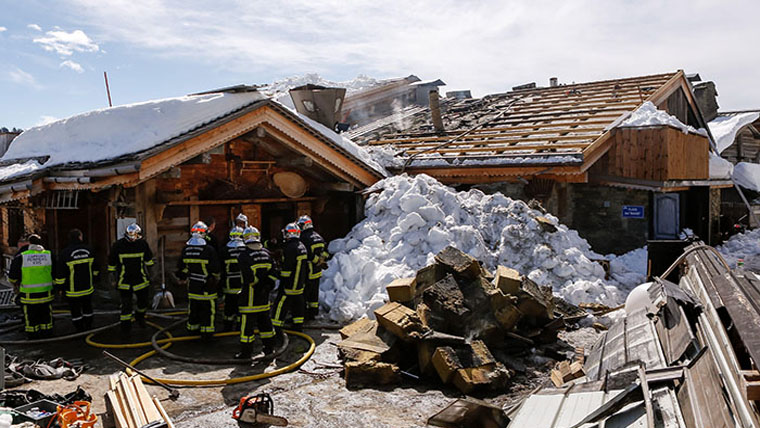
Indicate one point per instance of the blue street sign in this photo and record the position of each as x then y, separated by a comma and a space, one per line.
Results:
633, 211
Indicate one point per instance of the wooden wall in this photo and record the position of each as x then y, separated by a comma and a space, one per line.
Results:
655, 154
746, 147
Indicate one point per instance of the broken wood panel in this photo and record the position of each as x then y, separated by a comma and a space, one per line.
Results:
702, 398
741, 296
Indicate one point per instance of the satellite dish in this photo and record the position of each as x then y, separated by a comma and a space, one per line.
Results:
291, 184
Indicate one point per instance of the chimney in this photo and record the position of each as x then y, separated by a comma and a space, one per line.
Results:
435, 111
6, 137
553, 82
706, 96
319, 103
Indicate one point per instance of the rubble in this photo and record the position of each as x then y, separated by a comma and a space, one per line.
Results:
460, 311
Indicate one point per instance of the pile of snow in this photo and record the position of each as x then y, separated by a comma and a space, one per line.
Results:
720, 168
724, 128
747, 175
410, 219
278, 90
649, 115
741, 246
117, 131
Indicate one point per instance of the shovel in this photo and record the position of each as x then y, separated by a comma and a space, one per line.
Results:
163, 298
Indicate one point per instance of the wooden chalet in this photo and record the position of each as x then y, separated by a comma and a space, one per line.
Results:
564, 146
259, 158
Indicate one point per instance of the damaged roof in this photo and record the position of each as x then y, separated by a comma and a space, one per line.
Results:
562, 125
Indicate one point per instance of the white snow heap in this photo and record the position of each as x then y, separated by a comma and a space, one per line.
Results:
17, 169
741, 246
747, 175
117, 131
410, 219
720, 168
649, 115
724, 128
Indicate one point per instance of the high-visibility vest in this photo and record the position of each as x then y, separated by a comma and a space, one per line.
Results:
36, 271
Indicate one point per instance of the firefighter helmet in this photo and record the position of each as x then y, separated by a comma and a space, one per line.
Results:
242, 218
133, 232
199, 228
236, 233
251, 235
291, 231
304, 222
196, 239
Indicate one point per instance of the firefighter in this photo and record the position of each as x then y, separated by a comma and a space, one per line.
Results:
231, 279
241, 221
75, 275
199, 265
31, 274
317, 254
258, 271
290, 298
129, 261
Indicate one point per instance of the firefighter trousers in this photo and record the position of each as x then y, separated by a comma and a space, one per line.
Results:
38, 319
311, 294
284, 304
127, 314
81, 312
231, 310
201, 314
251, 321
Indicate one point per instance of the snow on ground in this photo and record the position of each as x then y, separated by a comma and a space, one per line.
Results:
278, 90
724, 128
649, 115
747, 175
410, 219
112, 132
741, 246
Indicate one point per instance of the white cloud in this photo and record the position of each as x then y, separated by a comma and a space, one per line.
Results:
34, 27
72, 65
486, 46
65, 44
21, 77
3, 29
44, 120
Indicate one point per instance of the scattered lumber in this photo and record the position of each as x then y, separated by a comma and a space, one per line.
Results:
130, 403
566, 371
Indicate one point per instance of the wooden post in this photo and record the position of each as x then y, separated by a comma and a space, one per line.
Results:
145, 199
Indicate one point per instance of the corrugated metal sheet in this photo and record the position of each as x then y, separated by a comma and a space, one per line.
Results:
629, 340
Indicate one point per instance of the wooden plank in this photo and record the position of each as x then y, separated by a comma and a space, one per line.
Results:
118, 413
569, 148
134, 414
151, 413
163, 413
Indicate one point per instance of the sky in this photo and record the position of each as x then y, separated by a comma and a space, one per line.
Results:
54, 52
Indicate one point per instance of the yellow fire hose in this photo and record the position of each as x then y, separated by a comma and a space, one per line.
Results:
203, 382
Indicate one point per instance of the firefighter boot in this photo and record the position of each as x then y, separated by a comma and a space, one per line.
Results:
246, 350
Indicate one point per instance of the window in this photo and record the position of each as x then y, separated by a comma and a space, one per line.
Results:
309, 106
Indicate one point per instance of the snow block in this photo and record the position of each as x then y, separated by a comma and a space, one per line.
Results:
534, 301
401, 321
446, 362
371, 373
401, 290
508, 280
428, 276
457, 262
493, 377
505, 310
425, 350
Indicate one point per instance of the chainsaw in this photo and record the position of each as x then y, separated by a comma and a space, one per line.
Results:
256, 412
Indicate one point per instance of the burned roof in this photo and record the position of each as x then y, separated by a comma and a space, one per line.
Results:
554, 125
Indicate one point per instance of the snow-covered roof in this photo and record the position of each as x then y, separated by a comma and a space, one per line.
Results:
747, 175
725, 128
111, 133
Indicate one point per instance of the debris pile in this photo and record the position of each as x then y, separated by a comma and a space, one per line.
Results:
443, 322
130, 404
410, 219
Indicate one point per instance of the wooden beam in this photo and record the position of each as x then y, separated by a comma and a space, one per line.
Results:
501, 137
238, 201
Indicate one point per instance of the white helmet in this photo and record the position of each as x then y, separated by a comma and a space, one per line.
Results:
196, 239
133, 232
236, 237
251, 235
199, 228
304, 222
291, 231
242, 218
